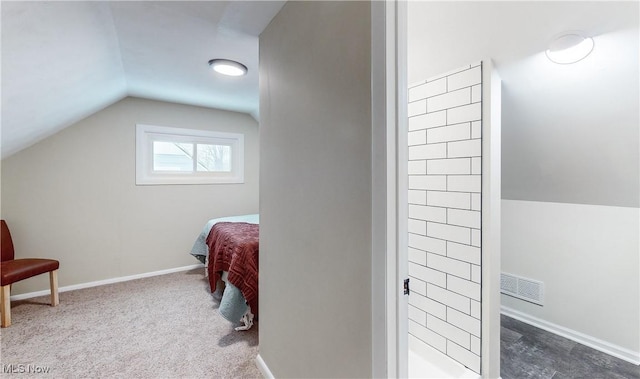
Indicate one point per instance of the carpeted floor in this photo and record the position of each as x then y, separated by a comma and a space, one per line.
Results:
161, 327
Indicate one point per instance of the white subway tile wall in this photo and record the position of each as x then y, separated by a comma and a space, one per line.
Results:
445, 182
427, 213
417, 197
418, 256
417, 315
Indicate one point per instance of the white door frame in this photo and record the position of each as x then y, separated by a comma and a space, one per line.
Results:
386, 113
389, 120
402, 185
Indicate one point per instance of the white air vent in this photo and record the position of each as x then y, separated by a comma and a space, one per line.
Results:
522, 288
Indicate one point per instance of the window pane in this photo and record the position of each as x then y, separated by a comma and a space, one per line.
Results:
166, 155
171, 156
214, 158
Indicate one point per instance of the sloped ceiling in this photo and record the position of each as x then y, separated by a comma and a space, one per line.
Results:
63, 61
570, 133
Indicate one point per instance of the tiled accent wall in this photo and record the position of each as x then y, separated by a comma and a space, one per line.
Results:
445, 149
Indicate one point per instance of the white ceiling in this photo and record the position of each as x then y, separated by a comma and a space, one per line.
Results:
63, 61
570, 133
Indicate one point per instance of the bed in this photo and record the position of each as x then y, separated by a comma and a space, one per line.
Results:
229, 249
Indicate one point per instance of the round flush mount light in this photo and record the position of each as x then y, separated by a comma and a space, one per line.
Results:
569, 47
228, 67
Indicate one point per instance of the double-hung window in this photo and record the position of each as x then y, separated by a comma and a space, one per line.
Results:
167, 155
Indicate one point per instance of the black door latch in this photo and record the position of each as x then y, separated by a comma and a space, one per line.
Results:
406, 286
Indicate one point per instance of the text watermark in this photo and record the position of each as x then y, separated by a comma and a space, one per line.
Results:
24, 369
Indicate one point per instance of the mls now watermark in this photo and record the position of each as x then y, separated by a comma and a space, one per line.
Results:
24, 369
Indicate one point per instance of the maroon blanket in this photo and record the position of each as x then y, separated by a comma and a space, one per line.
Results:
233, 247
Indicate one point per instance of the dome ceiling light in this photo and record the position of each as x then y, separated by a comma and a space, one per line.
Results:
569, 47
228, 67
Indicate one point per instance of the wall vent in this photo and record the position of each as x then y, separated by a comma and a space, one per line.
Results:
522, 288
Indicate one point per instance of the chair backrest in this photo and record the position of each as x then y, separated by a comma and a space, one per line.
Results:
6, 242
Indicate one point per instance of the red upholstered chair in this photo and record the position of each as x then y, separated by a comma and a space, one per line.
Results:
13, 270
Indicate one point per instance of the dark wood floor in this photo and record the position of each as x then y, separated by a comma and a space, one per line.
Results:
529, 352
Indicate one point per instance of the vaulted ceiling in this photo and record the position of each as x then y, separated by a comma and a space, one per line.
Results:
570, 133
63, 61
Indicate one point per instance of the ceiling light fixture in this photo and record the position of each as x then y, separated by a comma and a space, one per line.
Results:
569, 47
228, 67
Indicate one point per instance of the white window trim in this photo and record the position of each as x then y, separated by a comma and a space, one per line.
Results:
147, 134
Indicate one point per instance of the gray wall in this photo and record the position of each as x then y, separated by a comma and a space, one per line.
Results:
73, 196
315, 191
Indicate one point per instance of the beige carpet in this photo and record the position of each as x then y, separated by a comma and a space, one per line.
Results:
161, 327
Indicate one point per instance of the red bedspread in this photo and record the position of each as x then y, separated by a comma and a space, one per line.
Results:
233, 247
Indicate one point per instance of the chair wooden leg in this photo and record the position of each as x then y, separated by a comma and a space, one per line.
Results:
53, 281
5, 307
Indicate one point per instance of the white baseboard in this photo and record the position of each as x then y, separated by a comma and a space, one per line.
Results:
262, 366
584, 339
73, 287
